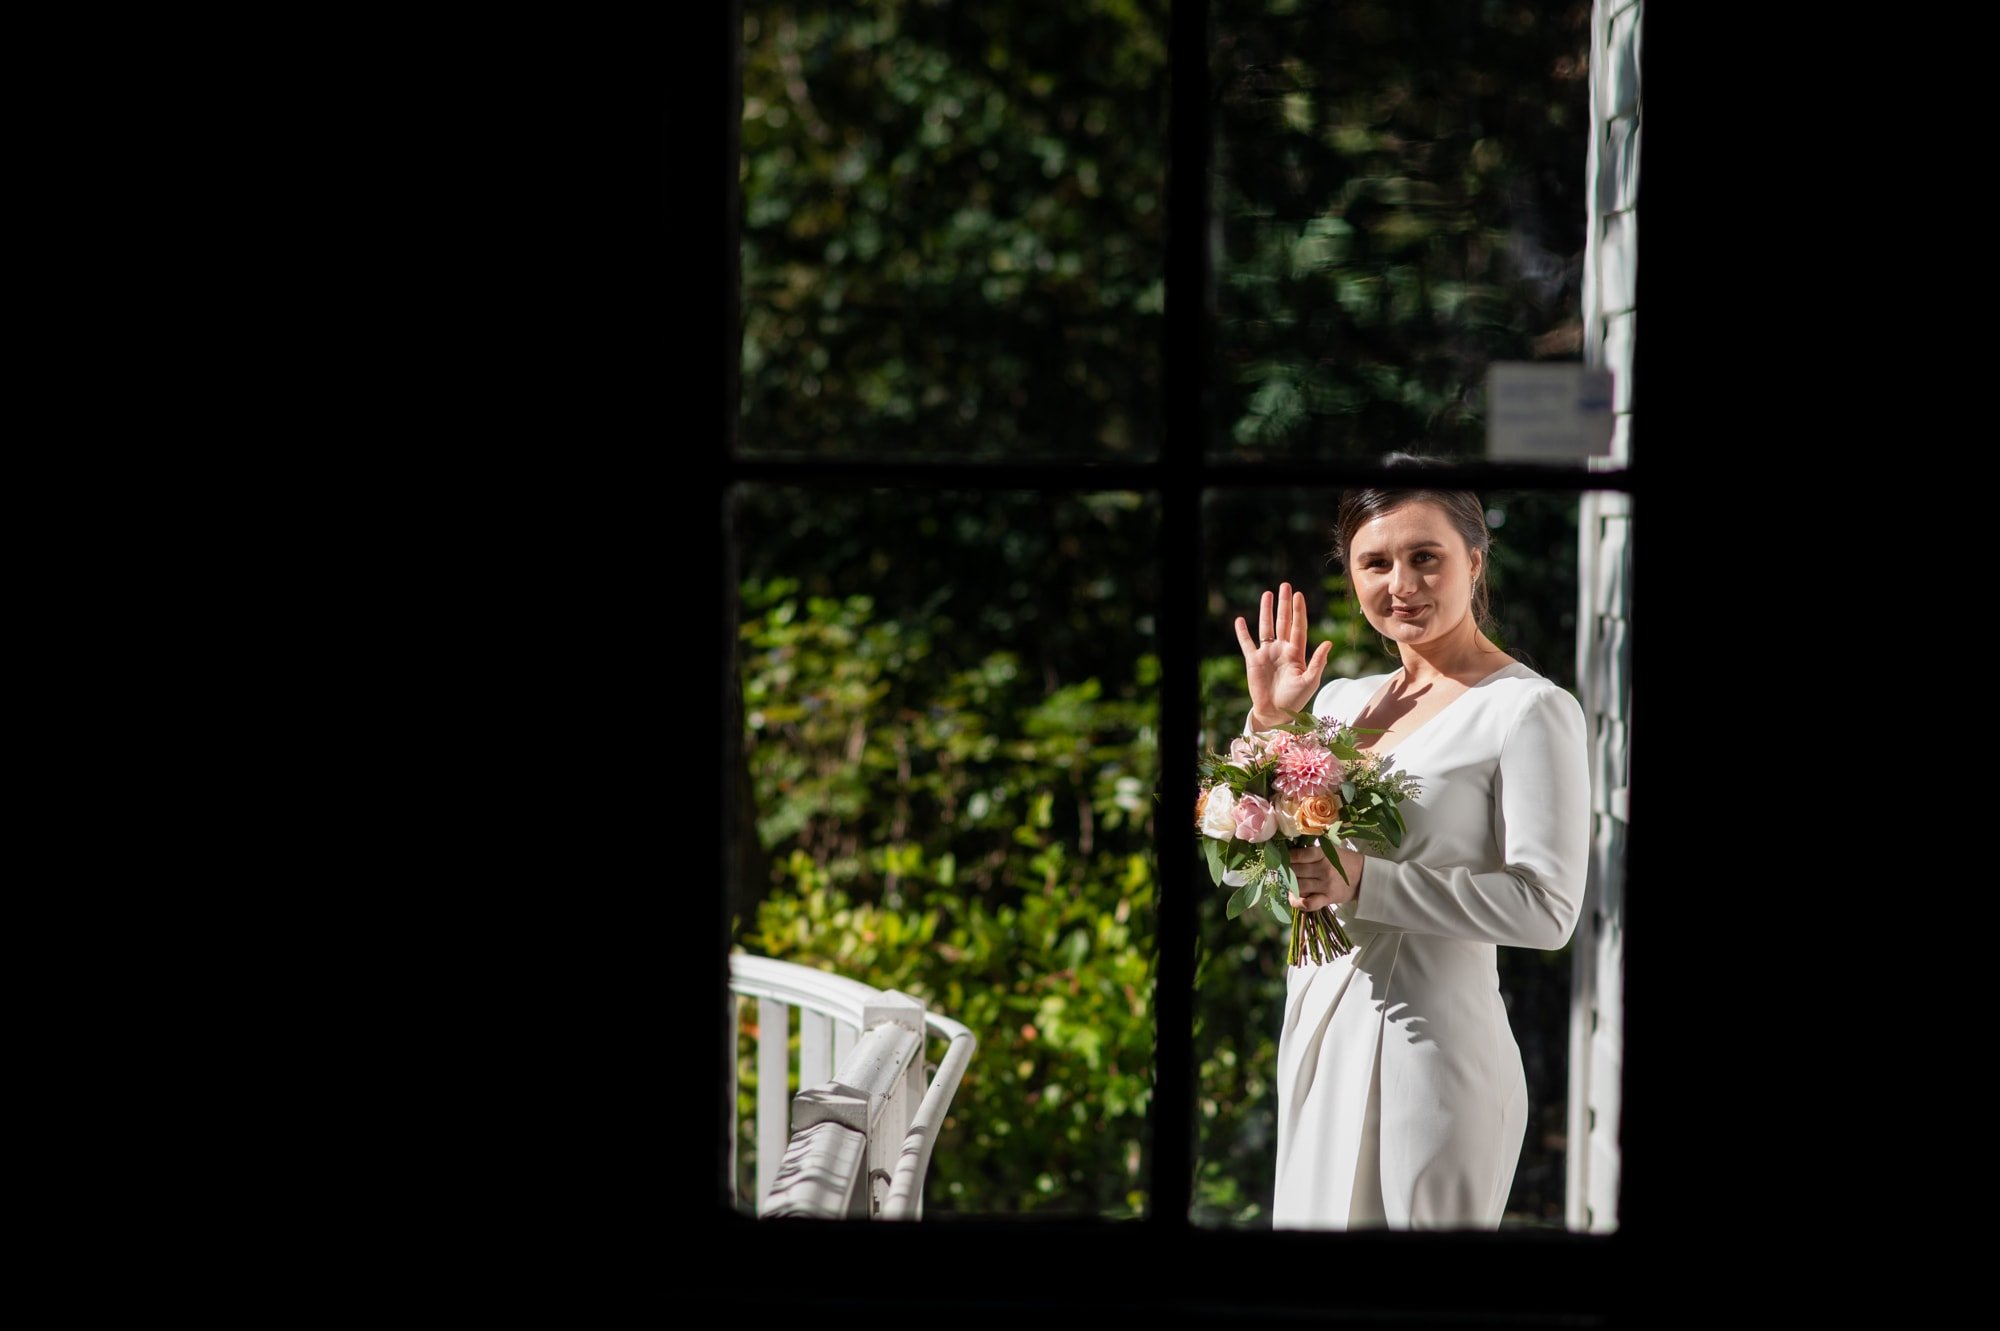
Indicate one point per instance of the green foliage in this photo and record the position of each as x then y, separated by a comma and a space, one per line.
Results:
953, 221
984, 846
953, 226
1400, 190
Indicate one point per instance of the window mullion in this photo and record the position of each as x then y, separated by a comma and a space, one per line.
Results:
1185, 438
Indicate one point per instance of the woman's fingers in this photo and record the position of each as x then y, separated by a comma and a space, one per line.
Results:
1306, 864
1281, 617
1283, 626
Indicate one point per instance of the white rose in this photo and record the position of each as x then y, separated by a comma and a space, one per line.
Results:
1218, 816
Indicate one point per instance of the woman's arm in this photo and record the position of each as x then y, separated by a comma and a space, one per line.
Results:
1542, 811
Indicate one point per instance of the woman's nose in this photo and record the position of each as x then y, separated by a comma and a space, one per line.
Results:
1402, 579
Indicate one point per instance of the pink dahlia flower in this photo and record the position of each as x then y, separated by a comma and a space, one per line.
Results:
1306, 769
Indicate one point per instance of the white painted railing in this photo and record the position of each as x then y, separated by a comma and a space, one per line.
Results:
855, 1142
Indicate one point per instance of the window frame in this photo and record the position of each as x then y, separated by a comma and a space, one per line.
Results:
1163, 1262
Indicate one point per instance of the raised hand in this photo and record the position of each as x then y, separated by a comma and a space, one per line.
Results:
1282, 675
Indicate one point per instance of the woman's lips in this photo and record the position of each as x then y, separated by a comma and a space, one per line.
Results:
1405, 611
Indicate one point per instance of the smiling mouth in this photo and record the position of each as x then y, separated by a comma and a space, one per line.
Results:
1405, 611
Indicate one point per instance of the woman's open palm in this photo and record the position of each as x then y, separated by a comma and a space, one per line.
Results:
1283, 676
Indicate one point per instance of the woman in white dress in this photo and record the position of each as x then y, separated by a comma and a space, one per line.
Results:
1402, 1102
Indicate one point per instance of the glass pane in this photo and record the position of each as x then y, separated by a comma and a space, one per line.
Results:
952, 229
1400, 192
950, 705
1256, 538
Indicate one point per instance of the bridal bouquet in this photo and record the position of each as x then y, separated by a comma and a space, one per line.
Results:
1284, 789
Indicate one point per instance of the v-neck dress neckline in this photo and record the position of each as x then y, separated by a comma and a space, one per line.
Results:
1430, 720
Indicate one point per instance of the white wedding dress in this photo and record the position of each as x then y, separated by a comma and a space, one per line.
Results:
1401, 1098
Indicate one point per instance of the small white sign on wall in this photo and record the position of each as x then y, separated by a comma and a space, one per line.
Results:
1536, 410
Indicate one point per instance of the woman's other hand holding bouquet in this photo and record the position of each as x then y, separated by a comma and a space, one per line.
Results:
1320, 884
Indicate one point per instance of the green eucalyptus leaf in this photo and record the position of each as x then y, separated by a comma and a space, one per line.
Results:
1240, 900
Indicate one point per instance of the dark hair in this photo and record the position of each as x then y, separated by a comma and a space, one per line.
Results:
1363, 504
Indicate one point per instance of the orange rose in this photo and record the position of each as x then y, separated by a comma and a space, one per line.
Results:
1317, 813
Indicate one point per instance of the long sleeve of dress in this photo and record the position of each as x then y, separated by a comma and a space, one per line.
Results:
1527, 889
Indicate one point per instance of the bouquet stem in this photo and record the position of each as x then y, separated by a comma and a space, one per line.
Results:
1318, 935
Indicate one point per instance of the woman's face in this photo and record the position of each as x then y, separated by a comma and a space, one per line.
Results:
1412, 573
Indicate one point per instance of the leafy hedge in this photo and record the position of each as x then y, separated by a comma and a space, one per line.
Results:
982, 846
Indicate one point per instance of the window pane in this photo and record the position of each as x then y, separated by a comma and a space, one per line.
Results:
952, 229
1400, 195
950, 705
1254, 538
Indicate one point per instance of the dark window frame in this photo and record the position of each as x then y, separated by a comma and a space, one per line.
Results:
1163, 1264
